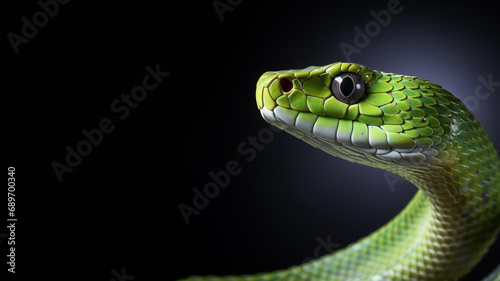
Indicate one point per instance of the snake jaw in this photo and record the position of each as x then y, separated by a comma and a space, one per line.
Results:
400, 120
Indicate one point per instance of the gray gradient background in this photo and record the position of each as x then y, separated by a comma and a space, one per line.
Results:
291, 194
119, 208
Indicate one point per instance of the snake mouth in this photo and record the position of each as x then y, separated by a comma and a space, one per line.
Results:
349, 140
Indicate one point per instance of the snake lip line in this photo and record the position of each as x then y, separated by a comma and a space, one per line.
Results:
403, 155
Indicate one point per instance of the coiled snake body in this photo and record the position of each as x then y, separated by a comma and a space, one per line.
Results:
408, 126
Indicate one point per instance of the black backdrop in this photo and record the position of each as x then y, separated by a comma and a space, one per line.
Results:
117, 211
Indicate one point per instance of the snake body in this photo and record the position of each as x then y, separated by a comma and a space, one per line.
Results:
408, 126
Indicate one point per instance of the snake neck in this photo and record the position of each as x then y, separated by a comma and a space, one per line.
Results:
464, 199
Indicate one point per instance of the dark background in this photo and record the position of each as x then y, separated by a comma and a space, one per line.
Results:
119, 207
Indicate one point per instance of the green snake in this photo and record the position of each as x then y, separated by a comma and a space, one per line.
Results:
410, 127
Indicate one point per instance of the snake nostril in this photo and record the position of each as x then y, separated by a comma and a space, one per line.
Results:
286, 85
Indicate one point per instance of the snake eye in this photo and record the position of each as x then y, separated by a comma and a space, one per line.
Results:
348, 87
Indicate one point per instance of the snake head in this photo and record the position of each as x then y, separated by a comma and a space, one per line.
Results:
365, 116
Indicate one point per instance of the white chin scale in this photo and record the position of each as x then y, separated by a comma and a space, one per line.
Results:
342, 145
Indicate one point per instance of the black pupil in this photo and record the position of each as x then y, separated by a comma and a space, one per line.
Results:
346, 86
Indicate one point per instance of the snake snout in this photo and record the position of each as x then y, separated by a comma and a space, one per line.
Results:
262, 94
